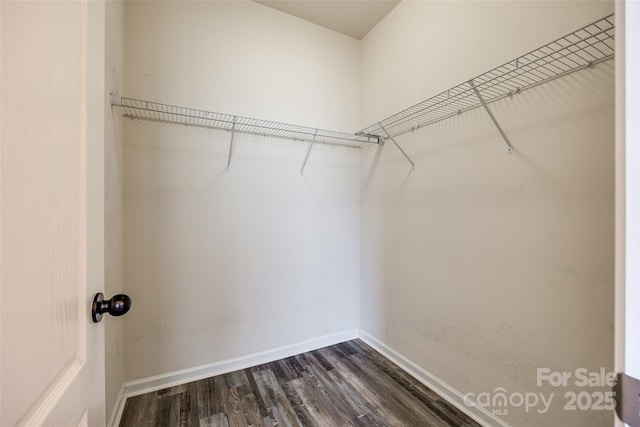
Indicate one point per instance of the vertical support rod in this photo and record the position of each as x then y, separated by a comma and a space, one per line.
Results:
308, 152
493, 118
413, 166
233, 132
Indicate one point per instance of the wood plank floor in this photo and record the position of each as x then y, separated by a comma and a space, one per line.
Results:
347, 384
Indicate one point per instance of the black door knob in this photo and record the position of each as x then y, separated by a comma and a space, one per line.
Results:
116, 306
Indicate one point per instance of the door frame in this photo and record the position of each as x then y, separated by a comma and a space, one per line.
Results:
627, 217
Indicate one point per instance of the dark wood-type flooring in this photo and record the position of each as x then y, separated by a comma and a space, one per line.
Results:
347, 384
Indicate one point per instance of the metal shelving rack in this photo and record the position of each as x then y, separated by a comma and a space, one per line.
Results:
583, 48
166, 113
155, 111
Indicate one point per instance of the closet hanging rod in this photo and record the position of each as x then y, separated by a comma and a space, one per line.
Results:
166, 113
583, 48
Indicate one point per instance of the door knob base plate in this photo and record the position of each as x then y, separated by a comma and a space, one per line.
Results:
96, 314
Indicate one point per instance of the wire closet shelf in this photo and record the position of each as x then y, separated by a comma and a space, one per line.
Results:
155, 111
583, 48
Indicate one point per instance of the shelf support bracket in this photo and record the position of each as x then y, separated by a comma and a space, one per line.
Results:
413, 165
233, 132
308, 152
116, 100
493, 118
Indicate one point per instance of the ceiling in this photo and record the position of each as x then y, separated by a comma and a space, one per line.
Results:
354, 18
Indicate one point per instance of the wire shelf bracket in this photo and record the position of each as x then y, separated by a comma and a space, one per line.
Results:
413, 165
582, 49
307, 156
493, 118
233, 133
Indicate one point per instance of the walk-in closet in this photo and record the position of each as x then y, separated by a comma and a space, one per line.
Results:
324, 212
442, 189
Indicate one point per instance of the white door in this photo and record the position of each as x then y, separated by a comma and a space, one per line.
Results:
51, 220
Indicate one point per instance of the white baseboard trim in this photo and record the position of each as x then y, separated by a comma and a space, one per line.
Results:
170, 379
449, 393
118, 408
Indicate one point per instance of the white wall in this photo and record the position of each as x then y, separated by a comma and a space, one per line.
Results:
481, 266
221, 264
114, 173
242, 58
